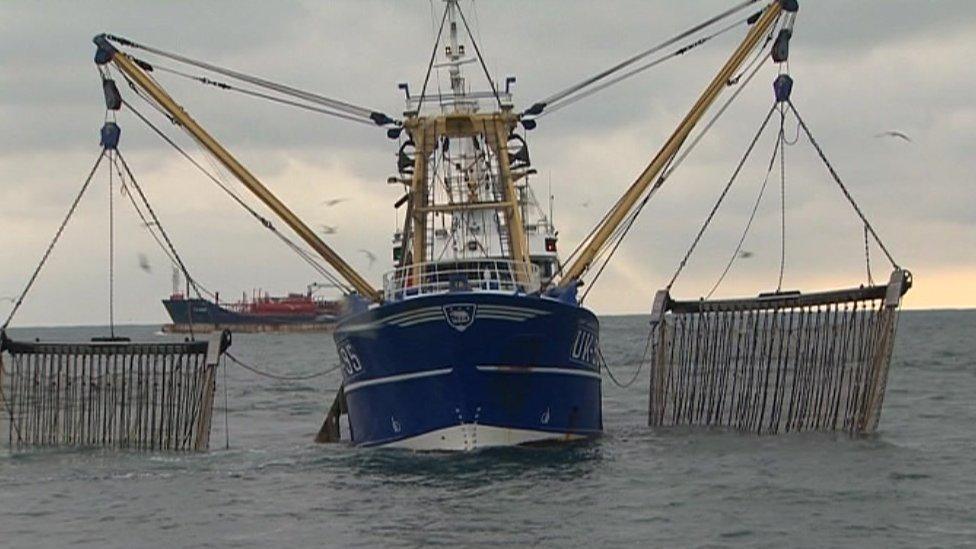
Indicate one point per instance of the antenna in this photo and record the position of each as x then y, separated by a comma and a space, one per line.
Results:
176, 280
454, 50
552, 223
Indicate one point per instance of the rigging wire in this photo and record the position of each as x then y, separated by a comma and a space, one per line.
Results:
781, 138
111, 250
152, 227
666, 173
758, 57
843, 188
54, 241
752, 217
481, 58
640, 366
378, 117
539, 107
721, 198
430, 64
225, 86
279, 377
302, 253
867, 257
155, 220
557, 105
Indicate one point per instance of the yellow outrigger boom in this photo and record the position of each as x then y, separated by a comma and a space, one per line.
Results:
670, 148
131, 69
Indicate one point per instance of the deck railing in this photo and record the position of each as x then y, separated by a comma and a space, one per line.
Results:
475, 275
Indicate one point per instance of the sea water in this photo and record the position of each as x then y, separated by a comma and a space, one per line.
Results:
913, 484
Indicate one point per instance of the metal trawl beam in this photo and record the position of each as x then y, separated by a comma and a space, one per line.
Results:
131, 69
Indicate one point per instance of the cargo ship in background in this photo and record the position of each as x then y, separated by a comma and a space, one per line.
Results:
259, 312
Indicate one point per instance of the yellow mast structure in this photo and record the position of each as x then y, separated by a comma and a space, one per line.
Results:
670, 148
131, 69
494, 128
462, 123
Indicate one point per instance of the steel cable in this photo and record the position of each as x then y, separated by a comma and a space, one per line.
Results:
54, 241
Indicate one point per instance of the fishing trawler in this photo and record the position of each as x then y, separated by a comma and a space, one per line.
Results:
468, 349
478, 336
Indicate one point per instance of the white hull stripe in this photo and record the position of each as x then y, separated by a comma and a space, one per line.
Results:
395, 320
393, 379
407, 314
431, 314
419, 319
518, 310
538, 370
471, 436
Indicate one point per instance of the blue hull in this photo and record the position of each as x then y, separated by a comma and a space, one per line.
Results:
490, 363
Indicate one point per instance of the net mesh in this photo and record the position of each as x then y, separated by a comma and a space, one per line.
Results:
777, 363
116, 394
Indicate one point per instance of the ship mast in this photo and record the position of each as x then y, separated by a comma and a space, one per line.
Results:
454, 52
626, 204
461, 169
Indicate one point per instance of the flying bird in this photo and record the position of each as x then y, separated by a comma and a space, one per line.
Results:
369, 256
332, 202
896, 134
144, 263
745, 254
327, 229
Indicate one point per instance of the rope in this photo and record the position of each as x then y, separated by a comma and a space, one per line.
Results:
722, 196
613, 378
280, 377
303, 254
111, 250
430, 64
481, 59
156, 222
252, 93
148, 225
704, 131
173, 255
867, 257
226, 412
283, 89
752, 217
617, 238
630, 61
840, 183
557, 105
667, 172
50, 246
782, 194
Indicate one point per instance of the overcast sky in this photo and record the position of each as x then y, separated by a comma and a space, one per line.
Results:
861, 68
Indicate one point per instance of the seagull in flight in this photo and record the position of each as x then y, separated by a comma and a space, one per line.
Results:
327, 229
332, 202
144, 263
745, 254
896, 134
369, 256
